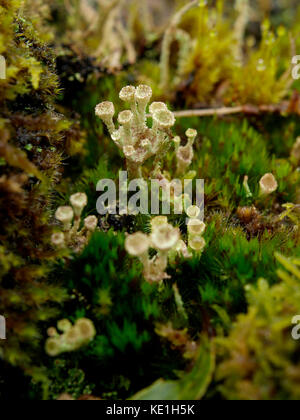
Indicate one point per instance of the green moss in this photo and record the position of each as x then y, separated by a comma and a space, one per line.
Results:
259, 359
34, 142
220, 326
106, 287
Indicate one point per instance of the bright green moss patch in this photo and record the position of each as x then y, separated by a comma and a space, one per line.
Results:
130, 312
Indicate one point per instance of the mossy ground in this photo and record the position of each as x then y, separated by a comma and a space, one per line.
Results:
238, 298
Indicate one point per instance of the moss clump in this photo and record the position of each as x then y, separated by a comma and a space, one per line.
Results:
105, 286
209, 318
259, 358
35, 140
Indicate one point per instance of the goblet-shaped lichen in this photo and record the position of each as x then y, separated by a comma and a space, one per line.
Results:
134, 137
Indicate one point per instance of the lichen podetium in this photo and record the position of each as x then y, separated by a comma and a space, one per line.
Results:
153, 292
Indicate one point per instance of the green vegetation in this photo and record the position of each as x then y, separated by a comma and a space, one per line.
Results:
209, 317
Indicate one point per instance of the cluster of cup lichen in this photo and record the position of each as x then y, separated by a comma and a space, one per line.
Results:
137, 141
74, 236
206, 304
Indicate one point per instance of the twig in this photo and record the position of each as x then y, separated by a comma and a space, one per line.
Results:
285, 107
208, 112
